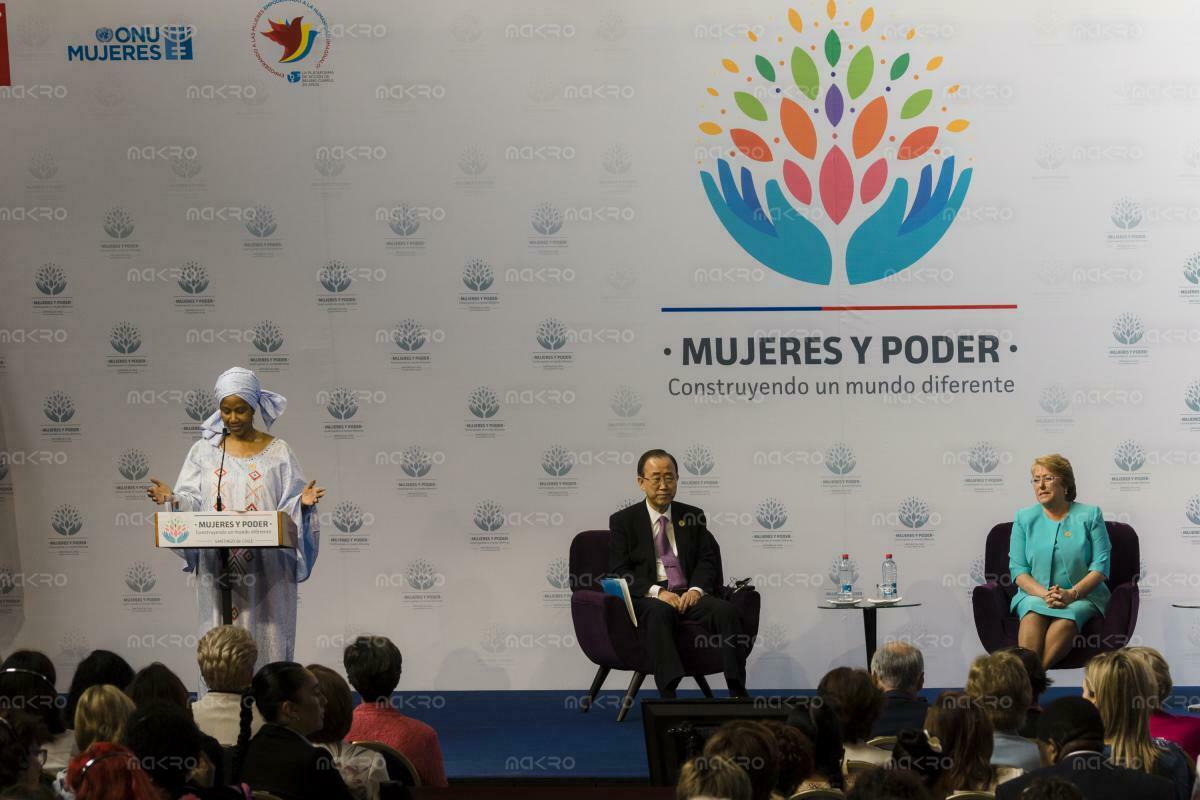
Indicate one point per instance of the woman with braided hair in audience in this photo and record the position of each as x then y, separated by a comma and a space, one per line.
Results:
226, 655
279, 758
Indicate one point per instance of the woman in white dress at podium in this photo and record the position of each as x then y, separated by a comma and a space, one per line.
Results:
261, 474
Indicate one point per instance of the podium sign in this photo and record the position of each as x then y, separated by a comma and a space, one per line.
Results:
223, 529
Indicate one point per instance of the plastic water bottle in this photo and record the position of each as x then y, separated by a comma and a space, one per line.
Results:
845, 576
888, 587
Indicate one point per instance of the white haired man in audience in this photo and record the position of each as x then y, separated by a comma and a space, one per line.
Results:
899, 669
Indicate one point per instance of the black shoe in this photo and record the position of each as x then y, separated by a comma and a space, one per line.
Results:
668, 692
737, 689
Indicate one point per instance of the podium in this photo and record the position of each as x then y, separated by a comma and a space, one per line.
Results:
224, 531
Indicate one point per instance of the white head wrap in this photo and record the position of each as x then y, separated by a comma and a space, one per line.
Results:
244, 383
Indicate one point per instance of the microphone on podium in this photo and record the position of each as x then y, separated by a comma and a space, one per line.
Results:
221, 469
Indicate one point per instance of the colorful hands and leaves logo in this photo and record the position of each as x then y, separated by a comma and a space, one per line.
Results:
833, 118
175, 530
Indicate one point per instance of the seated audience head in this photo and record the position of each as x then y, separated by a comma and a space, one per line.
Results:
856, 701
1067, 725
705, 778
964, 733
167, 743
882, 783
339, 706
751, 746
817, 721
28, 683
1123, 689
108, 771
1051, 789
795, 756
98, 668
158, 682
21, 754
898, 666
1001, 686
1039, 681
373, 665
1163, 683
101, 715
226, 655
915, 753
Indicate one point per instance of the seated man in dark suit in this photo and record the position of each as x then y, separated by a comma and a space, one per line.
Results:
899, 669
666, 553
1071, 738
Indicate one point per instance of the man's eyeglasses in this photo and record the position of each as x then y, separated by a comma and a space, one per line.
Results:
653, 480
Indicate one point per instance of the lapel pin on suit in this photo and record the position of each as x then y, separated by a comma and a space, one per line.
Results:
680, 523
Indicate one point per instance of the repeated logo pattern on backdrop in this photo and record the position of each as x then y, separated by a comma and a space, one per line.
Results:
476, 245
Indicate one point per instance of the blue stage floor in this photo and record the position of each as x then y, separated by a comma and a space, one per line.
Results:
518, 734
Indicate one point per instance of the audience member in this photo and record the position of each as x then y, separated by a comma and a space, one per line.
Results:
1122, 687
1183, 730
373, 665
914, 752
751, 746
961, 728
705, 778
171, 750
795, 757
857, 701
881, 783
1071, 736
107, 771
363, 770
226, 655
28, 683
23, 737
1051, 789
1001, 686
98, 668
816, 720
1039, 682
101, 712
899, 670
280, 759
157, 682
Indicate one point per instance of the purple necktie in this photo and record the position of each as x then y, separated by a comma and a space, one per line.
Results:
670, 562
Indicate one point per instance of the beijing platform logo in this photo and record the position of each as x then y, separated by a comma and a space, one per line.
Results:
833, 118
290, 34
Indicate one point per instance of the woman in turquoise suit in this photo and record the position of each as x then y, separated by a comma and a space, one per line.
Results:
1059, 557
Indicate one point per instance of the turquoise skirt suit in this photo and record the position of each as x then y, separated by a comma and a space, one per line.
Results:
1060, 554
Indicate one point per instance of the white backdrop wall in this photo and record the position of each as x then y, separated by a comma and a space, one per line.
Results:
162, 220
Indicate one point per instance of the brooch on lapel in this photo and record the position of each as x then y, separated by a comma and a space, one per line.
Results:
1067, 534
680, 523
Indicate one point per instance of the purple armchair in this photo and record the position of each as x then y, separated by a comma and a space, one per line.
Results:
997, 626
610, 639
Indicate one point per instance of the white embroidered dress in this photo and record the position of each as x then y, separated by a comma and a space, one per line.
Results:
264, 587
